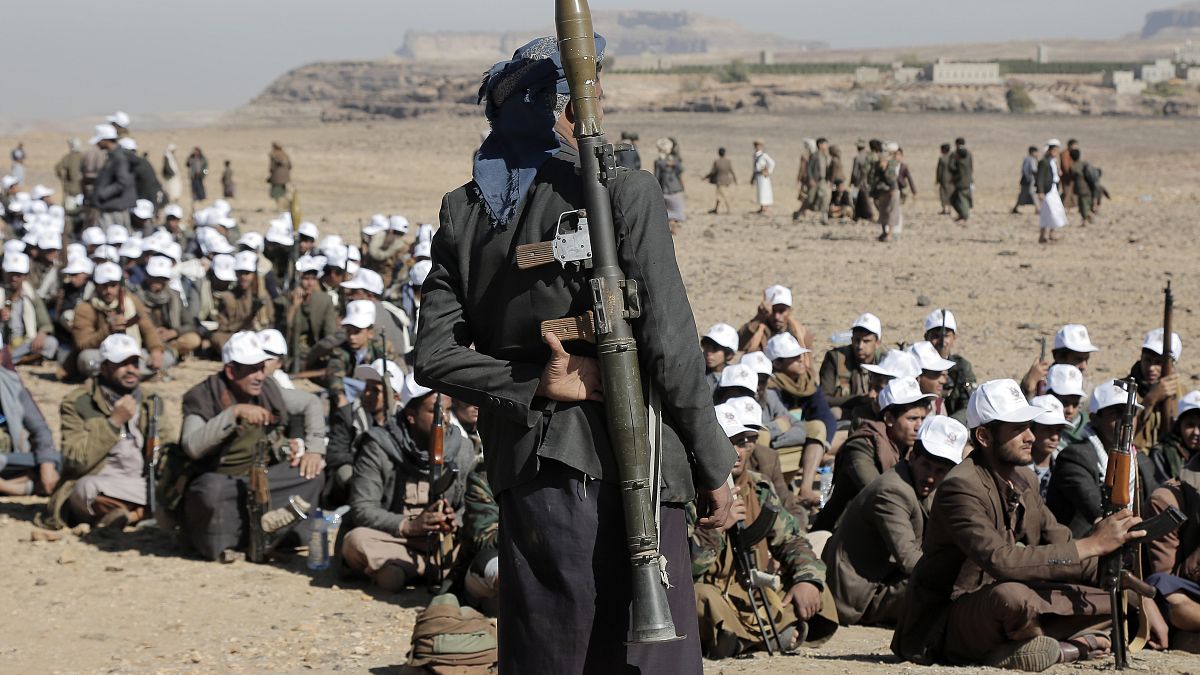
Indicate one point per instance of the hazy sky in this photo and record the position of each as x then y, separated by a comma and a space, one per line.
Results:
68, 58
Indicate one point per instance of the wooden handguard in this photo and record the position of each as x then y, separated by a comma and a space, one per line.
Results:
535, 255
571, 328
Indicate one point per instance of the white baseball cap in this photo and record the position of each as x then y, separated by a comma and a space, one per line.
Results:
399, 224
784, 346
1052, 414
14, 246
943, 437
222, 207
273, 342
159, 267
245, 261
173, 211
49, 241
143, 208
107, 273
419, 272
731, 421
116, 235
119, 348
224, 221
377, 224
93, 236
307, 229
422, 249
213, 242
244, 348
279, 232
410, 390
901, 391
739, 375
999, 401
106, 252
132, 249
367, 280
40, 191
174, 251
724, 335
868, 322
252, 241
119, 118
1053, 143
16, 263
222, 267
748, 410
374, 373
360, 313
1154, 342
778, 295
156, 242
1065, 380
103, 132
896, 363
758, 362
127, 142
79, 265
335, 257
934, 320
310, 263
1107, 395
1074, 336
205, 217
928, 358
1189, 402
331, 242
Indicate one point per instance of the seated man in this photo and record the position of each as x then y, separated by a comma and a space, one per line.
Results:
105, 431
842, 378
1065, 383
481, 530
360, 347
962, 376
398, 530
311, 315
1047, 431
29, 462
1072, 346
934, 377
347, 424
1000, 582
719, 345
245, 307
875, 447
727, 623
465, 416
897, 363
774, 317
111, 310
777, 418
174, 322
1174, 560
871, 556
798, 389
27, 328
224, 419
391, 321
1155, 387
1181, 444
764, 460
1075, 485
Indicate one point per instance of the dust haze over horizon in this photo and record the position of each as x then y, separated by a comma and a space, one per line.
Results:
79, 58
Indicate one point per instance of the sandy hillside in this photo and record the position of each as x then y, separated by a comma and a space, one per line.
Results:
133, 605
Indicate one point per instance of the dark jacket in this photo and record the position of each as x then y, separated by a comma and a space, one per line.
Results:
145, 182
961, 168
976, 536
865, 455
1045, 176
1075, 497
116, 187
475, 295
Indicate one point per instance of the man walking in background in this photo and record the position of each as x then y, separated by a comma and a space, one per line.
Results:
279, 174
721, 175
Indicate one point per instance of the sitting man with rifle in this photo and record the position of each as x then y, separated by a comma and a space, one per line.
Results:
109, 311
111, 433
736, 597
1000, 581
871, 556
1182, 443
407, 492
246, 306
311, 315
229, 419
1159, 388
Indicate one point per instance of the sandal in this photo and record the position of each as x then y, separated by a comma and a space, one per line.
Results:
1088, 647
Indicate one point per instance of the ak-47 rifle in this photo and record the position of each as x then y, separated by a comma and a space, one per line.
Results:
153, 452
268, 527
742, 540
945, 351
437, 462
1167, 406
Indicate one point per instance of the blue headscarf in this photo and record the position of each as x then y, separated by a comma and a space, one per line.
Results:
520, 96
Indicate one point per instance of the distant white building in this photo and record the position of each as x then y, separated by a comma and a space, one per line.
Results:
1159, 71
1124, 82
1043, 54
902, 74
866, 75
946, 72
1188, 53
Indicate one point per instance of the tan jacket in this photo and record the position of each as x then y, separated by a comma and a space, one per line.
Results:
87, 438
90, 326
982, 530
236, 312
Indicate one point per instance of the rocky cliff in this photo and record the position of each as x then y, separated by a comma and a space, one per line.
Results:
1181, 18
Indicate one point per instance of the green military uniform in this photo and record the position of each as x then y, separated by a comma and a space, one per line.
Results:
722, 602
842, 378
314, 320
1169, 458
960, 385
942, 178
343, 360
1084, 189
961, 167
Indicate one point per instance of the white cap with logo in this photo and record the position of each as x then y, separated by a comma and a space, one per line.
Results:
928, 358
749, 411
273, 342
1065, 380
1189, 402
244, 348
119, 348
739, 375
868, 322
999, 401
943, 437
1074, 336
16, 263
731, 420
245, 261
758, 362
252, 241
310, 263
896, 363
724, 335
107, 273
374, 373
410, 390
1052, 414
1107, 395
222, 267
934, 320
784, 346
159, 267
778, 295
143, 208
367, 280
1154, 343
360, 314
901, 391
420, 272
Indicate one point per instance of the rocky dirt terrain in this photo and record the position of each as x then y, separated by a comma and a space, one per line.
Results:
131, 604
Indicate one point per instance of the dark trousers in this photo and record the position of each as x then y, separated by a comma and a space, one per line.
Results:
214, 507
564, 581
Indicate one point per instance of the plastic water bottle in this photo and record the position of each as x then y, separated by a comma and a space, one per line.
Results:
841, 338
825, 478
318, 542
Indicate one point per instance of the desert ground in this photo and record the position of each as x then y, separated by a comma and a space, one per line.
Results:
131, 604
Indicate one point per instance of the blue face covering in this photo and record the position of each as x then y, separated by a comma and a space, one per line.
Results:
520, 96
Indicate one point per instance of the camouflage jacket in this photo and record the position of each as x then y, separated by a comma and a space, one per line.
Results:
342, 363
959, 385
481, 522
787, 544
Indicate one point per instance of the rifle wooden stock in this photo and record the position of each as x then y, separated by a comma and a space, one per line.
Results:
1117, 497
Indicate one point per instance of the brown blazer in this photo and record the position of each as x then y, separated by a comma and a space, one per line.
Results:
870, 557
982, 530
90, 325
